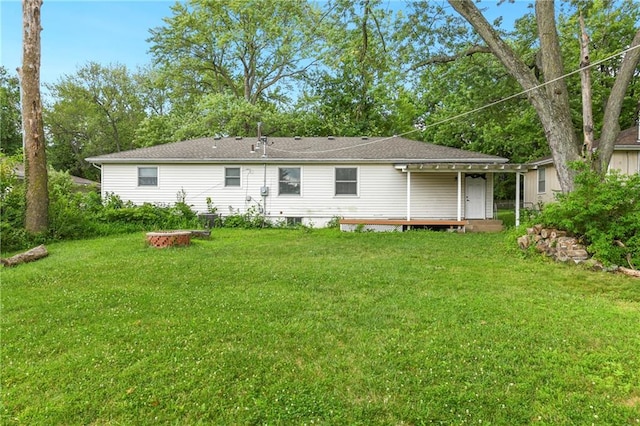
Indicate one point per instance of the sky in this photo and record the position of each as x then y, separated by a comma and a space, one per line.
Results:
75, 32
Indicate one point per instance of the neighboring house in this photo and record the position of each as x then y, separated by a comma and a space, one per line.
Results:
80, 183
541, 181
310, 180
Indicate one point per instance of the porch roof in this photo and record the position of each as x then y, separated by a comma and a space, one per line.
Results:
463, 167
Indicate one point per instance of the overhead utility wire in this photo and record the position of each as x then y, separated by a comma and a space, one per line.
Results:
464, 114
489, 105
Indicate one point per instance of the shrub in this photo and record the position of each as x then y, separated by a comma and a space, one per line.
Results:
75, 214
149, 216
12, 206
71, 212
604, 211
252, 218
334, 223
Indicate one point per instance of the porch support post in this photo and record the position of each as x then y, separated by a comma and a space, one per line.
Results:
517, 198
459, 195
408, 195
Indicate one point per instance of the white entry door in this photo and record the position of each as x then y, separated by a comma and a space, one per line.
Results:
475, 190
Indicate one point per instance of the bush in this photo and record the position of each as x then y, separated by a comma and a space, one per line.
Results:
251, 219
75, 214
71, 212
604, 211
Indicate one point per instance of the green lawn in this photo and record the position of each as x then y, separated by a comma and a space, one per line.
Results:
320, 327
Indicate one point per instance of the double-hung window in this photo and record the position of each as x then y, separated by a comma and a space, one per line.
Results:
147, 176
289, 180
542, 180
346, 181
232, 176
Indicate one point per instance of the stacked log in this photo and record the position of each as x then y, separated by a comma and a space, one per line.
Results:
554, 243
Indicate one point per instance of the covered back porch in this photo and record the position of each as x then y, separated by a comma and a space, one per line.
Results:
450, 196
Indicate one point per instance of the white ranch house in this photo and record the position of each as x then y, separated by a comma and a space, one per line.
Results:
541, 180
313, 180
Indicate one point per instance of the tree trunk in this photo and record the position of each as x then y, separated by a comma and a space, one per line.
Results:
563, 140
610, 124
551, 102
585, 79
37, 197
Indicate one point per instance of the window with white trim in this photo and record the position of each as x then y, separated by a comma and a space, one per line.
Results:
289, 180
232, 176
147, 176
542, 180
346, 181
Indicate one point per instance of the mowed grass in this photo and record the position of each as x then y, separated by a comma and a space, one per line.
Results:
319, 327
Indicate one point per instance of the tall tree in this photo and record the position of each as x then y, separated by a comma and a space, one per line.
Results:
95, 111
359, 90
551, 100
606, 24
10, 120
37, 196
249, 48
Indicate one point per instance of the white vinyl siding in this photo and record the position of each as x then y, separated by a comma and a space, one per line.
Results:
533, 198
382, 191
625, 162
434, 195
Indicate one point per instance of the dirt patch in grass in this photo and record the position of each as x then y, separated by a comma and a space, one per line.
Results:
633, 402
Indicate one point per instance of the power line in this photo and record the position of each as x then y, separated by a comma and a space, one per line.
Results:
524, 92
464, 114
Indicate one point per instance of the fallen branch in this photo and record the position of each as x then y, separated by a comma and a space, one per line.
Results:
630, 272
621, 244
28, 256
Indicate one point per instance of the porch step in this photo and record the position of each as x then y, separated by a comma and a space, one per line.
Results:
487, 225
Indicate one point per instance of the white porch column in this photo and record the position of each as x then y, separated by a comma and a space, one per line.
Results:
408, 195
517, 198
459, 195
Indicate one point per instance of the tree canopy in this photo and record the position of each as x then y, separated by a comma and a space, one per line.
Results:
358, 68
95, 111
10, 120
550, 97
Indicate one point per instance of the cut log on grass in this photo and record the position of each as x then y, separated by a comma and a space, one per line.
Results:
630, 272
28, 256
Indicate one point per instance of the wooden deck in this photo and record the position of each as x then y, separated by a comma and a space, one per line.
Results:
400, 224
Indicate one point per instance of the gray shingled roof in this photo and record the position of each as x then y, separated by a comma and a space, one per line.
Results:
628, 138
293, 149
